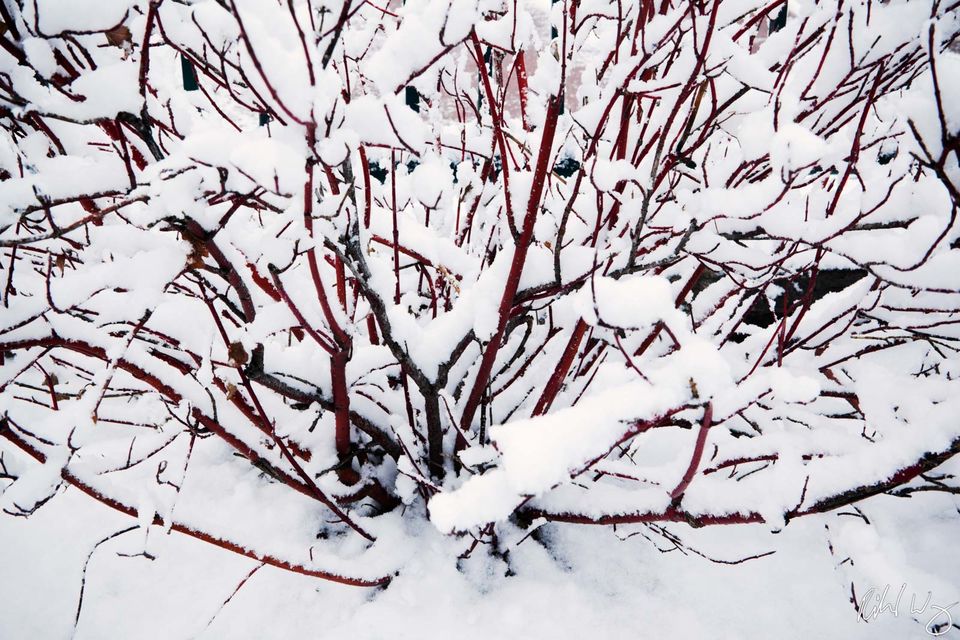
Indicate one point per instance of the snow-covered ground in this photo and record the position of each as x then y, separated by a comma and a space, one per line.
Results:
600, 587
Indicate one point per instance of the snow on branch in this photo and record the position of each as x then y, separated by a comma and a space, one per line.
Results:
280, 276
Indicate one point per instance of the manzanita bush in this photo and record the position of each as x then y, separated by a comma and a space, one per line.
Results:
289, 275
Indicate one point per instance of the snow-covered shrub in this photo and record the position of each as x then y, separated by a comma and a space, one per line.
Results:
288, 276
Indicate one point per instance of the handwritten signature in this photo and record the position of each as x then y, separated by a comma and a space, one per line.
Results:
875, 603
